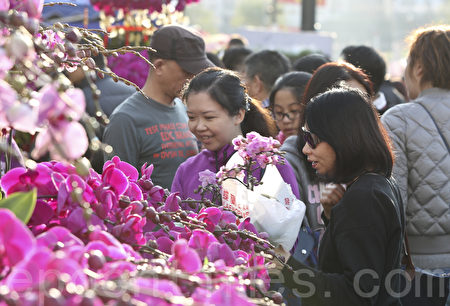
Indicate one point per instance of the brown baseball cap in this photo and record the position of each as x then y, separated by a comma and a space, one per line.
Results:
182, 45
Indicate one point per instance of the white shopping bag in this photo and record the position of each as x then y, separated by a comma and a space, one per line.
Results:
271, 206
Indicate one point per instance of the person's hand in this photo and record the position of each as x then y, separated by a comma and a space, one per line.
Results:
329, 196
281, 254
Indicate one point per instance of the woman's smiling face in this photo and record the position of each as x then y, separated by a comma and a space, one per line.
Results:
210, 122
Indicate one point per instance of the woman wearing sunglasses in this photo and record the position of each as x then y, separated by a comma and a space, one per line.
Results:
327, 76
361, 247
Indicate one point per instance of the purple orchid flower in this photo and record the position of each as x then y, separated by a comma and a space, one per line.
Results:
164, 244
217, 251
134, 192
57, 234
21, 179
43, 266
150, 289
172, 203
32, 7
16, 241
115, 178
130, 171
200, 242
146, 171
185, 258
229, 295
42, 214
207, 177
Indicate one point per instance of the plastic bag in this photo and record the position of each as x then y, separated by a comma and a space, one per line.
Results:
271, 206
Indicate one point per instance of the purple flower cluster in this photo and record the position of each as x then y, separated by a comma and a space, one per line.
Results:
257, 152
116, 227
130, 67
265, 150
32, 7
109, 7
40, 98
207, 177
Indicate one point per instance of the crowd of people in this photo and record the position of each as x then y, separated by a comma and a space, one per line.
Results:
369, 157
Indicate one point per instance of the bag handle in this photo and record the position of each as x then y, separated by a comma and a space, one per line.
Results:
437, 127
407, 259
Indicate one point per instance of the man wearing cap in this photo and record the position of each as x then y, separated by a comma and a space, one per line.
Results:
152, 127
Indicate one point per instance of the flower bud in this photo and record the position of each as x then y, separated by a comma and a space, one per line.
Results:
18, 18
19, 46
32, 25
137, 207
70, 49
73, 35
232, 235
100, 75
94, 51
124, 201
90, 63
165, 217
183, 215
96, 260
82, 165
152, 244
231, 226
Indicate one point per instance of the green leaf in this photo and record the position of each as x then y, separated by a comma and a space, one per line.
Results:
22, 204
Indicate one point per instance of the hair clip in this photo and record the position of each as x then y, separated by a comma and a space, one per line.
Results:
247, 102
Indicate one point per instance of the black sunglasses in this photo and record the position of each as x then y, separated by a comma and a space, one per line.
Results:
309, 138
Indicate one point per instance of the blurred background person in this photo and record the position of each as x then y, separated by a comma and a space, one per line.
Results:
373, 64
151, 126
233, 58
111, 93
420, 131
285, 102
261, 69
310, 62
214, 59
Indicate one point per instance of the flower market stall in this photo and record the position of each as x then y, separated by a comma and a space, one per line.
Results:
72, 236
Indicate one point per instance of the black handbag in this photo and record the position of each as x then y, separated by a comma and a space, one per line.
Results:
426, 288
419, 287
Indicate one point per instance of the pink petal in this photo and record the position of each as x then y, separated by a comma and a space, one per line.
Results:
27, 274
15, 238
74, 140
11, 179
164, 244
74, 98
184, 257
116, 179
58, 234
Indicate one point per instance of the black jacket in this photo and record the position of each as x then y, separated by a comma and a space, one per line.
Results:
359, 255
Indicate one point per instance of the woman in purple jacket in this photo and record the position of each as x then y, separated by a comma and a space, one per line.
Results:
219, 109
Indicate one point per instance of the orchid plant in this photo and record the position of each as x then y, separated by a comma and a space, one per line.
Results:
257, 152
110, 7
122, 231
72, 236
35, 95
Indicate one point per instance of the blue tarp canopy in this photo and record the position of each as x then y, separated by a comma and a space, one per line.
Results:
73, 15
